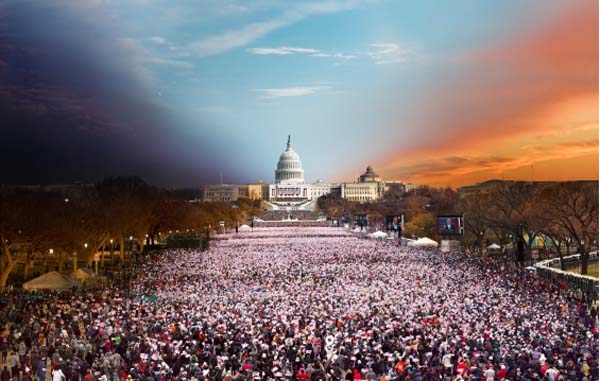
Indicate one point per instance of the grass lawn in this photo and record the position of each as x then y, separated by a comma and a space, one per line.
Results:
592, 269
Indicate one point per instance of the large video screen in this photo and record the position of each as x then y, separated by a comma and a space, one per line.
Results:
394, 222
450, 225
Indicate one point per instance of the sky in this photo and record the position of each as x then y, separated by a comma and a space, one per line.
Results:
184, 92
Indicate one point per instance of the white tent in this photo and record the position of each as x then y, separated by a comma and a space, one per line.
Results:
51, 281
423, 242
244, 227
378, 234
494, 246
356, 229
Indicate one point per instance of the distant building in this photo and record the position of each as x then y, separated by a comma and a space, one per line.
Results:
252, 191
289, 192
221, 193
369, 187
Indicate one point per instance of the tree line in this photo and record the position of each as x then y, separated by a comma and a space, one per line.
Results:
53, 226
557, 214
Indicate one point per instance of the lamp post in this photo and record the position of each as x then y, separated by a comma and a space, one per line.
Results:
481, 242
130, 248
111, 253
75, 260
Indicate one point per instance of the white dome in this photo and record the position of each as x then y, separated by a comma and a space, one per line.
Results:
289, 167
288, 155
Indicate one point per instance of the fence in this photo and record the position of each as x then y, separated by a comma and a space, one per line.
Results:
550, 270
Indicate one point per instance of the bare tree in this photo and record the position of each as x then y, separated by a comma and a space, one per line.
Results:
474, 206
24, 229
573, 208
511, 204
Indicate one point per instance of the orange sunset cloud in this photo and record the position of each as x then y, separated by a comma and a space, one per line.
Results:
526, 107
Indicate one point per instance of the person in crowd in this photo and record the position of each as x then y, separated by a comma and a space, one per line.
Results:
5, 374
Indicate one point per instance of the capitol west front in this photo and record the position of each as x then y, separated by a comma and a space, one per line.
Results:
290, 191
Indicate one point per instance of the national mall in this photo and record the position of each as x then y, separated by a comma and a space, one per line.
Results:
291, 193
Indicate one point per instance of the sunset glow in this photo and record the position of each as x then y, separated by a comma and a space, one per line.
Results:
527, 108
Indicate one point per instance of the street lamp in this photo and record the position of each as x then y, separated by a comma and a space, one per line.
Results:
112, 259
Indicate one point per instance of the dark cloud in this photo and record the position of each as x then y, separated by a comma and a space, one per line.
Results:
76, 104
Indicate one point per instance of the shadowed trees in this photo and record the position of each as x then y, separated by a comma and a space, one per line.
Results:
25, 228
43, 225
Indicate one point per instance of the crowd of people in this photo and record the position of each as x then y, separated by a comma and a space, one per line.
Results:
305, 307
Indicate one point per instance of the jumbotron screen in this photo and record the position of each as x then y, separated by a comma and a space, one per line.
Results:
450, 225
394, 222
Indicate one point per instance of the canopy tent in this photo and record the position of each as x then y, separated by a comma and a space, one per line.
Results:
244, 227
51, 281
494, 246
424, 242
378, 234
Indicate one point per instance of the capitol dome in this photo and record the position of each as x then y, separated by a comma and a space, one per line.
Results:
289, 167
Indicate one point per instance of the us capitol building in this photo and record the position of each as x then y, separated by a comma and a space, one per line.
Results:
291, 193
